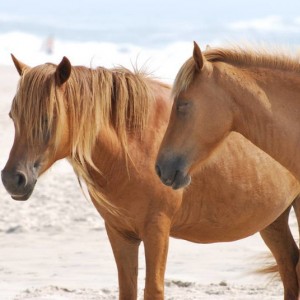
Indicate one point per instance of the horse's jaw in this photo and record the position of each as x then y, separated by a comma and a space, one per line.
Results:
23, 197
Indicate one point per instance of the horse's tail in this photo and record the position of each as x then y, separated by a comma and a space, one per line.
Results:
270, 267
269, 270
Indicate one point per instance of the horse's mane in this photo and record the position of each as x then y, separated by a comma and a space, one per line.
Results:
94, 100
237, 57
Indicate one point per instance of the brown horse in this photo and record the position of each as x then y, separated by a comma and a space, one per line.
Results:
109, 125
255, 94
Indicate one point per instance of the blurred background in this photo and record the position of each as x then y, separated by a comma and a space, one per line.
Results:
55, 243
155, 33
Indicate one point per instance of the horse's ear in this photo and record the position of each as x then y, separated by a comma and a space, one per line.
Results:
19, 65
63, 71
198, 57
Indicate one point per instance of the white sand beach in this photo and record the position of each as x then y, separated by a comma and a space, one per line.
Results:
54, 246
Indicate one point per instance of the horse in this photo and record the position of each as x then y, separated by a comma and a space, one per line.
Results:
109, 123
254, 93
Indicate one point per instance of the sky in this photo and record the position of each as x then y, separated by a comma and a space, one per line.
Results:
146, 23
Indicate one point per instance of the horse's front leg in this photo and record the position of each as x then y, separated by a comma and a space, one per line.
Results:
125, 251
156, 242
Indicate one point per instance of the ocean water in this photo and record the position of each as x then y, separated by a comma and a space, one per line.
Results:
155, 34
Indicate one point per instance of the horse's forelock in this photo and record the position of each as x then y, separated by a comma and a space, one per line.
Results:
184, 77
32, 109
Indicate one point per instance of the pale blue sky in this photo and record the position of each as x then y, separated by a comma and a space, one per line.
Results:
155, 21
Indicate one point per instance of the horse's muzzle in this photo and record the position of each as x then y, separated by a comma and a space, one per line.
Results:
171, 172
18, 184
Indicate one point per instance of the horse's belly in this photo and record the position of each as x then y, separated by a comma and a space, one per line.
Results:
222, 222
238, 193
208, 231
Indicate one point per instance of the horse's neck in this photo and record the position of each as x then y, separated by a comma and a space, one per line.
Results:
116, 166
268, 111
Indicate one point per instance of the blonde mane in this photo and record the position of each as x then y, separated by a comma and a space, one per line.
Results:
237, 57
94, 100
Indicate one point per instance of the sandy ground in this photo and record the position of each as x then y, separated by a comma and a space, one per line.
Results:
54, 246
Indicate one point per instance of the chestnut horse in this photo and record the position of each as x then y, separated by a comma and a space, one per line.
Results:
223, 90
109, 124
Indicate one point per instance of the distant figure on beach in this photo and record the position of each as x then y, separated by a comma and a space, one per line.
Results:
48, 45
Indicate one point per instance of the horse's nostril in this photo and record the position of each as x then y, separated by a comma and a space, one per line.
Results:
158, 171
21, 179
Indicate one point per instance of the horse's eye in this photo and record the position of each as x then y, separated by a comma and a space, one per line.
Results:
183, 107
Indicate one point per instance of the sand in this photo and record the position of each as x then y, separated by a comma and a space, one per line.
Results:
54, 246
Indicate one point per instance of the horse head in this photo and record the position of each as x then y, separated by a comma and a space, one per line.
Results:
198, 122
41, 137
